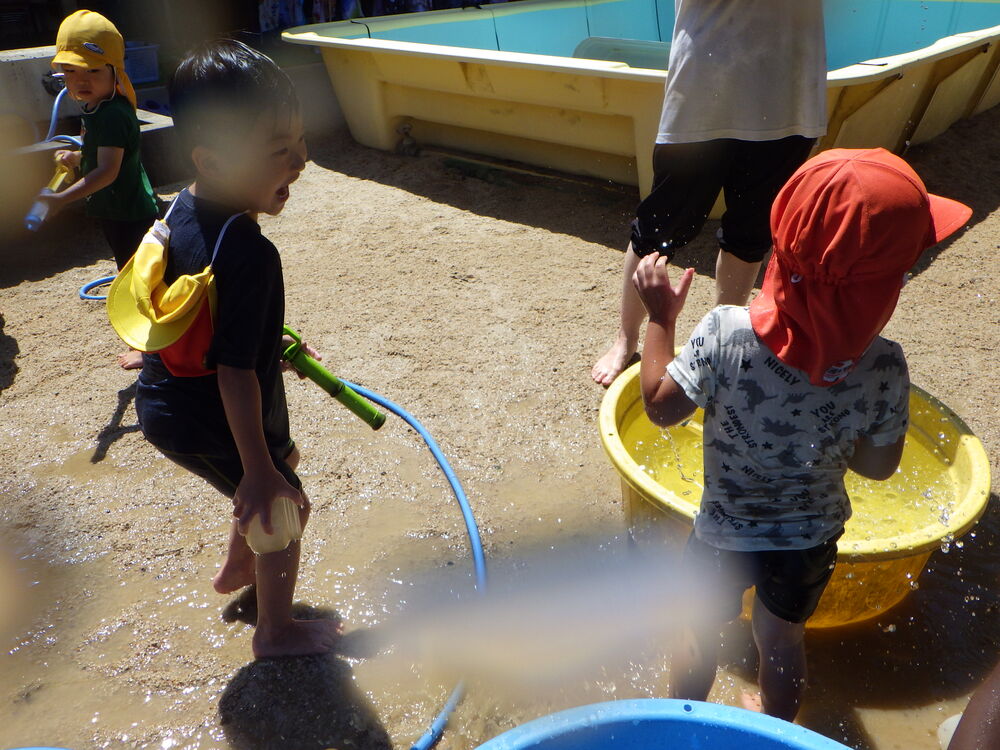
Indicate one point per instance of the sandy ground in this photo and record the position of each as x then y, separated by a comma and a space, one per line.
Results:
479, 302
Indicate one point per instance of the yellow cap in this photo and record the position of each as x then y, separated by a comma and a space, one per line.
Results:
147, 314
90, 40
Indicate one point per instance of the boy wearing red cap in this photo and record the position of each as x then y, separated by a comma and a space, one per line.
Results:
90, 53
797, 388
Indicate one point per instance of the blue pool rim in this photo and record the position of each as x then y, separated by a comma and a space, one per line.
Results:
630, 712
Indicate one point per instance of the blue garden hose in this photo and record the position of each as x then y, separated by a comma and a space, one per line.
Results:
40, 209
72, 140
91, 285
434, 732
436, 729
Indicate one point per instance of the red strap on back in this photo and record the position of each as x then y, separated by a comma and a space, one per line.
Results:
186, 357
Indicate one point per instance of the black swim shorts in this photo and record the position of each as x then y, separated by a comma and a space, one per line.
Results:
789, 582
224, 471
687, 180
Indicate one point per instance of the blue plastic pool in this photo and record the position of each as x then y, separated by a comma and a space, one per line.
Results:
856, 30
577, 85
661, 724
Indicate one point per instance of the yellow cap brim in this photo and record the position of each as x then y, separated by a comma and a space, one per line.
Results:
122, 83
134, 328
71, 57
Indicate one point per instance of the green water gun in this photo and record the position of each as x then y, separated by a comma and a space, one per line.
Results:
297, 357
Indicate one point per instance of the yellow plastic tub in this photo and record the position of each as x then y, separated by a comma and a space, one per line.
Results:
513, 80
939, 492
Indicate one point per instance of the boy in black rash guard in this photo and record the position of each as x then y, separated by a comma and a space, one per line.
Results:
238, 117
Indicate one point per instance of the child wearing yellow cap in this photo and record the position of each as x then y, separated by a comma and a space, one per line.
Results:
90, 53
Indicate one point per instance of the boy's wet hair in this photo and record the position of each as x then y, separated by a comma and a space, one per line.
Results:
221, 88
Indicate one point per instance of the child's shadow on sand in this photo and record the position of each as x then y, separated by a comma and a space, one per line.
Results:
306, 703
114, 430
8, 357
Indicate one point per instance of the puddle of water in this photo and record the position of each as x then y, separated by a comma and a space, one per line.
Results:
88, 661
150, 664
879, 686
78, 466
43, 683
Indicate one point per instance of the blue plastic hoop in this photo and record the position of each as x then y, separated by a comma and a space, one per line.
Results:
90, 285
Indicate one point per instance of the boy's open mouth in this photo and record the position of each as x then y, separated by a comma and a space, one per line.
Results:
282, 192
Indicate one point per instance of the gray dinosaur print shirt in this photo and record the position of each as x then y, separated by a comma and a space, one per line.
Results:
775, 446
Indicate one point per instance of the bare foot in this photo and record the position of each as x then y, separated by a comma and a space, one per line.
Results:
130, 360
752, 702
612, 362
298, 638
232, 577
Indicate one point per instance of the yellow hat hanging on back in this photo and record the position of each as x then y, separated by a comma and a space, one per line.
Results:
148, 314
90, 40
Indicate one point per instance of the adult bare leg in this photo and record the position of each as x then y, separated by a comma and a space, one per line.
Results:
980, 724
734, 279
616, 358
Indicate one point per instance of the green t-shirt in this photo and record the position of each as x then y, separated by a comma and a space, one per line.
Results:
129, 197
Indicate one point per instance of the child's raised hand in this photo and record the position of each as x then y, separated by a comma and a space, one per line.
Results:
257, 490
662, 300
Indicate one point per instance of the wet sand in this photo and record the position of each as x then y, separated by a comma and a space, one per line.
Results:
478, 301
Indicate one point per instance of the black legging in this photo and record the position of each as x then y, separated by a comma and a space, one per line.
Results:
124, 237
